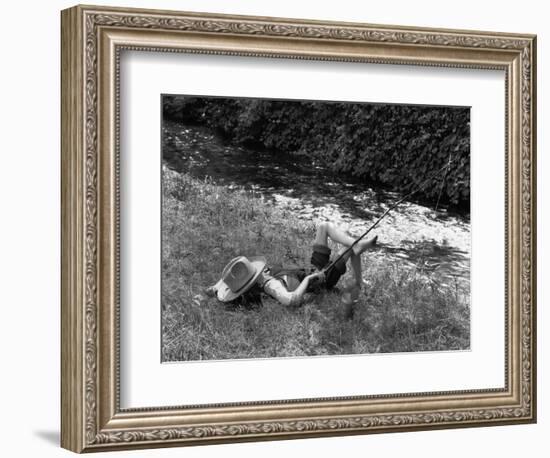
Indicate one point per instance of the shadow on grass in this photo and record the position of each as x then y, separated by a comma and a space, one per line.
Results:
205, 225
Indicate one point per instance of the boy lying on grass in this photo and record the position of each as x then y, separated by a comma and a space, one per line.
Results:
244, 276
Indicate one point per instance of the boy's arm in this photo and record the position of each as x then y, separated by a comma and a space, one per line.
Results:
277, 290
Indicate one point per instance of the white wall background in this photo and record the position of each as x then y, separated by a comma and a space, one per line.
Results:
29, 229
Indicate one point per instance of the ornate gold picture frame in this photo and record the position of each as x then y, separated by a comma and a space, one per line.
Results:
92, 40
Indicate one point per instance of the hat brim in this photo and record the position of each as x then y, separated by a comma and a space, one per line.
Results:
226, 295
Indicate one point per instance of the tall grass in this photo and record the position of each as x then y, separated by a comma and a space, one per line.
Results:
205, 225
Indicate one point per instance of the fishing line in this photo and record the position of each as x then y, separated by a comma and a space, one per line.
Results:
414, 191
443, 184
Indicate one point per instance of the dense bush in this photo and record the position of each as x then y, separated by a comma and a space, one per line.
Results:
395, 145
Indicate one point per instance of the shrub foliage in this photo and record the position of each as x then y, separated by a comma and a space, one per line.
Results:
397, 146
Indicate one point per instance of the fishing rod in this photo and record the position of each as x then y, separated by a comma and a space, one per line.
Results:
443, 183
414, 191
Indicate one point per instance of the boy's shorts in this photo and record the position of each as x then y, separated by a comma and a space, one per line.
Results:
321, 258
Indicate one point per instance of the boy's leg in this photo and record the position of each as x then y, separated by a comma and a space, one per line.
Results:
357, 270
321, 252
328, 230
355, 261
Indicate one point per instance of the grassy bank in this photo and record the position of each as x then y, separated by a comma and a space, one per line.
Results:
204, 226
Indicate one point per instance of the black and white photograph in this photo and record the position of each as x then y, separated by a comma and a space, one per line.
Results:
275, 229
297, 228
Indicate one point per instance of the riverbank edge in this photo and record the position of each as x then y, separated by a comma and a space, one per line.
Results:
205, 225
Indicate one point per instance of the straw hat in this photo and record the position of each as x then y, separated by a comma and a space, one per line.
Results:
239, 276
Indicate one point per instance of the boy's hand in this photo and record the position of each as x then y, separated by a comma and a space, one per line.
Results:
210, 291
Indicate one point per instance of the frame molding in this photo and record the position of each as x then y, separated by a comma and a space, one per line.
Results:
92, 38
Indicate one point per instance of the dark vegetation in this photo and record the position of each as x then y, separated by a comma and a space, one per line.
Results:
396, 146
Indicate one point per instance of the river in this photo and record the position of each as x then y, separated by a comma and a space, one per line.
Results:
436, 241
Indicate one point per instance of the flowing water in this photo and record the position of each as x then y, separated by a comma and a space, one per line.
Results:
436, 241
